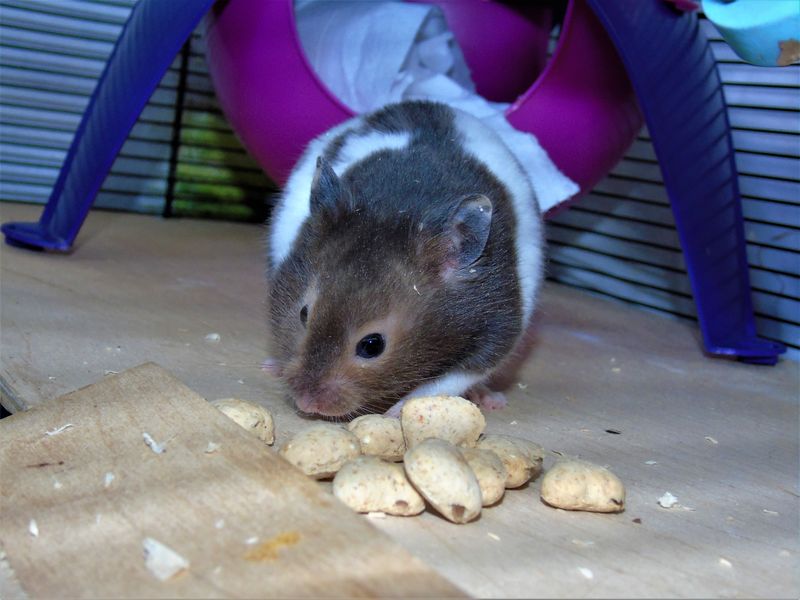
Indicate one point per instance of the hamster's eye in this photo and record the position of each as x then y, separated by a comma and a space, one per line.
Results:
370, 346
304, 315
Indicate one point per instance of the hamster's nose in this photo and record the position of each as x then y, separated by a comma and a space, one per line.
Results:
306, 402
326, 400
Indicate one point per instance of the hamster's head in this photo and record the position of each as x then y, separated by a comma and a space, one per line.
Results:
370, 305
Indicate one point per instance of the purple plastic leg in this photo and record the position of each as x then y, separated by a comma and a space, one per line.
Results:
152, 36
679, 90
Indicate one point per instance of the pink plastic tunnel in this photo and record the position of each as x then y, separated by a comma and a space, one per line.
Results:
581, 107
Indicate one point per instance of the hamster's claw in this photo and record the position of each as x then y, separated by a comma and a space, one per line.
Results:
486, 398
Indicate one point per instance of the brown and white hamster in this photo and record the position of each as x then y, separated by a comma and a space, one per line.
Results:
405, 256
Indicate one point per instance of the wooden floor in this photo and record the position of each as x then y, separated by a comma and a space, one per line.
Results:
719, 435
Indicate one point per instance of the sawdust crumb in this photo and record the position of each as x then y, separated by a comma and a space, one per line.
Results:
212, 447
667, 500
152, 444
33, 528
162, 561
724, 562
587, 573
494, 536
108, 479
58, 430
213, 337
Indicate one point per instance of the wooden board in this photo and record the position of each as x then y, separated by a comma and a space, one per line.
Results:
249, 524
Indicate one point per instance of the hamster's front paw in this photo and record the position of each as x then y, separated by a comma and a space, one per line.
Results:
273, 367
395, 410
486, 398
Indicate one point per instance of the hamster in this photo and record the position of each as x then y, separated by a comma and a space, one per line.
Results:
405, 257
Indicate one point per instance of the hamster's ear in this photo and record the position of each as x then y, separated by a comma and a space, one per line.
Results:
468, 230
327, 193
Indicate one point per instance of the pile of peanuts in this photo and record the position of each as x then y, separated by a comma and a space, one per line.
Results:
448, 463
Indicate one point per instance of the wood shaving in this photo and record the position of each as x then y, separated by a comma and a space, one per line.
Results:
724, 562
494, 536
110, 372
163, 562
213, 337
109, 478
33, 528
770, 512
521, 385
416, 290
587, 573
651, 462
61, 429
251, 540
152, 444
667, 500
212, 447
711, 440
583, 543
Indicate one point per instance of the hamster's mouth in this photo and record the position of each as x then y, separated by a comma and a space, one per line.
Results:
338, 413
324, 403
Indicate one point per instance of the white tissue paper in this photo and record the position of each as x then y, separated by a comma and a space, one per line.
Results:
373, 53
